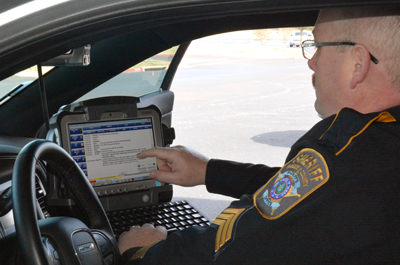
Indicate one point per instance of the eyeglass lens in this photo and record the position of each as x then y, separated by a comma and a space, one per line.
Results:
309, 51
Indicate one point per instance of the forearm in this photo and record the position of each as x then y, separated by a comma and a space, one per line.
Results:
235, 179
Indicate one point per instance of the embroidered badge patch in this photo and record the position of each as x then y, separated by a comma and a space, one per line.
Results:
300, 177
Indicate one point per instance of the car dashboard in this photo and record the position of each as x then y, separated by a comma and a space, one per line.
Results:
91, 145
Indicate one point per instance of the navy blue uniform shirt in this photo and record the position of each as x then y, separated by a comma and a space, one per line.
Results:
336, 201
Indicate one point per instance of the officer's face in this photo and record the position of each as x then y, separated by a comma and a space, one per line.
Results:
330, 78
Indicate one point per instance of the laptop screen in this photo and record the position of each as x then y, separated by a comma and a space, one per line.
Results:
106, 150
106, 147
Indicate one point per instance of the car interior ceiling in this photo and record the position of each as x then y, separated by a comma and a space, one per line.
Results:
111, 56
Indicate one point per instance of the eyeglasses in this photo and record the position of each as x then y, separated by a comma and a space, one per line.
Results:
310, 47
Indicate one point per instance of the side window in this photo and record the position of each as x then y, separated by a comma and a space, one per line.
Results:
138, 80
244, 97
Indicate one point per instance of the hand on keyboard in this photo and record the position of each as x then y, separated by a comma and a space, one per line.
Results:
140, 236
174, 216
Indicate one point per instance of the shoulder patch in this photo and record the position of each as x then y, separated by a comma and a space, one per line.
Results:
300, 177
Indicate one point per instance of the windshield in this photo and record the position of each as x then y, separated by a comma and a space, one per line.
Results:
139, 80
136, 81
14, 84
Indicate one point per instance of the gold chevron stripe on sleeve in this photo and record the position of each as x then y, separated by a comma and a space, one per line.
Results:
141, 252
226, 221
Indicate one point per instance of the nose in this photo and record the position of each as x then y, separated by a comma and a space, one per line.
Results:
312, 64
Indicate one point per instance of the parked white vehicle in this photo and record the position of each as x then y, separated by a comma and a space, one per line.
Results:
295, 38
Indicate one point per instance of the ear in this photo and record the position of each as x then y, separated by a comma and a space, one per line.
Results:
361, 61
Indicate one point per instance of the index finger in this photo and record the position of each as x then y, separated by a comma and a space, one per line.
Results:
160, 153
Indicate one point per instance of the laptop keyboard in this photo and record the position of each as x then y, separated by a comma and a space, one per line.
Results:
174, 216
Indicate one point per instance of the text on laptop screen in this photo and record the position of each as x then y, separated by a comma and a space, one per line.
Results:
106, 151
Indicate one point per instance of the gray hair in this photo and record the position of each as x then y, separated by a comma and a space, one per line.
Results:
378, 29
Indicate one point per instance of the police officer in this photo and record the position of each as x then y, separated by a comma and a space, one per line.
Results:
336, 200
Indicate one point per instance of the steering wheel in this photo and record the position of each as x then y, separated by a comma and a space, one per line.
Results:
59, 240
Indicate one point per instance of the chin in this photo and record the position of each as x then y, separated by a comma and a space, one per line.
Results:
318, 109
